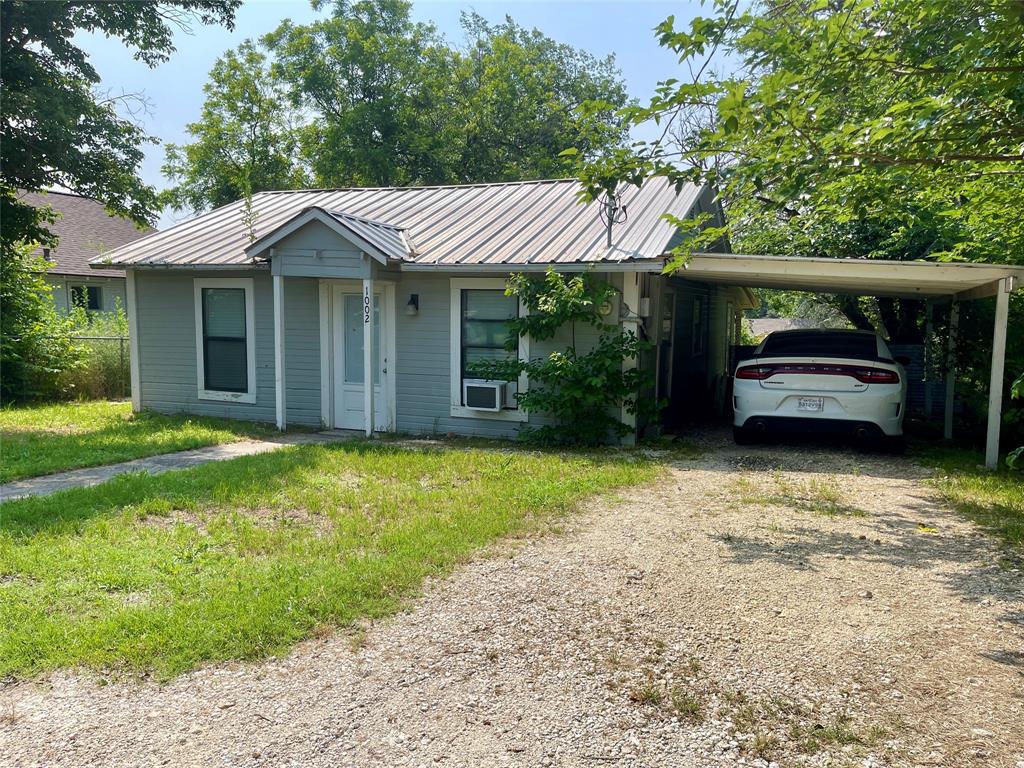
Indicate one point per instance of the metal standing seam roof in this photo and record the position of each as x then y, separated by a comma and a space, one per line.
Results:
517, 223
393, 242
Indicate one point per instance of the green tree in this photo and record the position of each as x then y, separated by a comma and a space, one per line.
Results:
886, 129
36, 342
903, 117
56, 130
245, 141
385, 101
369, 75
524, 98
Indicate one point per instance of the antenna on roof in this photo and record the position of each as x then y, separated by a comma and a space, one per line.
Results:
613, 212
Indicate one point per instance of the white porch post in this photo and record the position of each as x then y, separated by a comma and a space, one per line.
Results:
368, 361
995, 388
133, 340
279, 351
954, 326
630, 322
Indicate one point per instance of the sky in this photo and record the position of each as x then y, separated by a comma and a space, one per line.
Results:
174, 92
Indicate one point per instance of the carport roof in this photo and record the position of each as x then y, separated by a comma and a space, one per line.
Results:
865, 277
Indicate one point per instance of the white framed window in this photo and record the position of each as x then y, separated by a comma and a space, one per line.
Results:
480, 316
225, 348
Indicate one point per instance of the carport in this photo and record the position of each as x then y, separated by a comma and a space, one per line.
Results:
929, 281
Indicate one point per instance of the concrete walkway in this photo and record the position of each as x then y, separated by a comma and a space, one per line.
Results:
155, 465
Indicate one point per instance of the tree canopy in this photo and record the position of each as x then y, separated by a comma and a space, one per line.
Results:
245, 139
888, 129
367, 97
56, 129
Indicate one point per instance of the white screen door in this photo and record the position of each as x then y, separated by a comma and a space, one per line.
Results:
348, 362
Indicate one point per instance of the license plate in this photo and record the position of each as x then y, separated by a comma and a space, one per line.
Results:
810, 403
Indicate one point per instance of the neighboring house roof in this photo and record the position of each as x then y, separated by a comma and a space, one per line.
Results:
84, 230
533, 222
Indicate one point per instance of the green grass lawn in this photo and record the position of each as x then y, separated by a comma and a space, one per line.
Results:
241, 559
994, 500
38, 440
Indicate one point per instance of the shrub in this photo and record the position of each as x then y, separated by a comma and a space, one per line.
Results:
583, 392
103, 369
37, 344
1016, 458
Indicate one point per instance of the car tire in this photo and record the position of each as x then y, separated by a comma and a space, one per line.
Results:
743, 436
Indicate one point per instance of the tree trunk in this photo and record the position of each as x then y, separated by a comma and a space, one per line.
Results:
910, 314
850, 307
889, 316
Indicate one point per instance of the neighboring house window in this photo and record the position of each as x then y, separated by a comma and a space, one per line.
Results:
87, 297
480, 318
225, 354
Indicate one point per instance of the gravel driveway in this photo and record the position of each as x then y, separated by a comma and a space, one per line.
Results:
757, 606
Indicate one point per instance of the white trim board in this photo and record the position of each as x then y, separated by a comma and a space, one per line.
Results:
245, 283
458, 410
133, 339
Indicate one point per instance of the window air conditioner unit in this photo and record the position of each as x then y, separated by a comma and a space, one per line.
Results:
483, 395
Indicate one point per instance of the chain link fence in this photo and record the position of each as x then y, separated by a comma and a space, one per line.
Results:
105, 369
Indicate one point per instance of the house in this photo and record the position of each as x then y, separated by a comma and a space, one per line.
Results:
361, 308
85, 231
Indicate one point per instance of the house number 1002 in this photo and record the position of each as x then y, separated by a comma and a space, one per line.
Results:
366, 306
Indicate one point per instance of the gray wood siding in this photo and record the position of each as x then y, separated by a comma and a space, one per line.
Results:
423, 397
167, 347
315, 250
424, 361
166, 321
301, 350
112, 291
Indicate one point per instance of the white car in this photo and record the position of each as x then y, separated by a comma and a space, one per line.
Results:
821, 381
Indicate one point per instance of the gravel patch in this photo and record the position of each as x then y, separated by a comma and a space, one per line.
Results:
757, 606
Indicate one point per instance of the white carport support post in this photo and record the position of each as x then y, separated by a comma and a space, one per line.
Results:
279, 401
954, 326
630, 323
368, 361
995, 387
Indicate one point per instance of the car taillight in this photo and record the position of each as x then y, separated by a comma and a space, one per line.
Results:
863, 374
756, 372
877, 376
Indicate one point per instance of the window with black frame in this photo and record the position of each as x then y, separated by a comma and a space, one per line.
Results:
87, 297
486, 314
225, 354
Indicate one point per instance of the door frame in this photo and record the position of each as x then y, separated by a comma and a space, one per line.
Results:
388, 348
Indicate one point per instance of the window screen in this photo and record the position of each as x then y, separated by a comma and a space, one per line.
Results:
485, 326
225, 358
859, 346
87, 296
